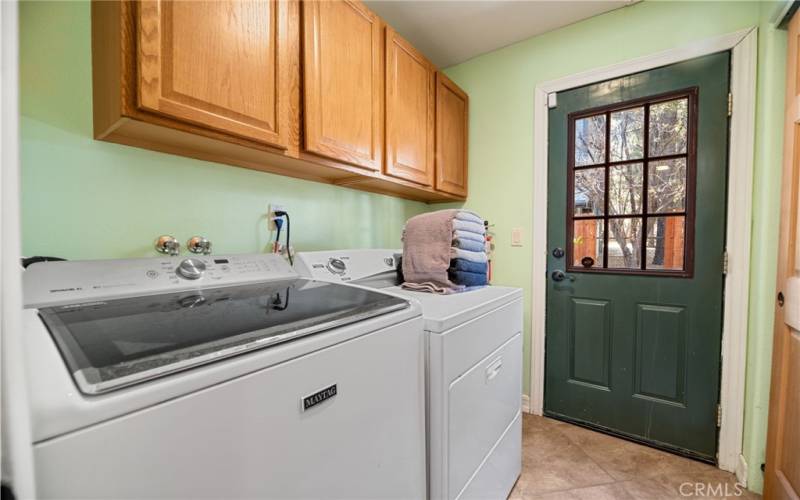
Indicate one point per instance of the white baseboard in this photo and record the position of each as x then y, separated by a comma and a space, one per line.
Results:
526, 403
741, 471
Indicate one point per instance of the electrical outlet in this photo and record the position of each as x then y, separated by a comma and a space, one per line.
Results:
271, 209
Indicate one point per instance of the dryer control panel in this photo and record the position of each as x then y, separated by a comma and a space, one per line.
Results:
67, 282
347, 265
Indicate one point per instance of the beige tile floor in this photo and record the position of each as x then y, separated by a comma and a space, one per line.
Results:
565, 461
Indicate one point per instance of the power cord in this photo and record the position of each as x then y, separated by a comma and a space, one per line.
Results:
281, 213
278, 225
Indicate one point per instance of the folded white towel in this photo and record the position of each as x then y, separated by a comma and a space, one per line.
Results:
468, 235
469, 216
457, 253
465, 225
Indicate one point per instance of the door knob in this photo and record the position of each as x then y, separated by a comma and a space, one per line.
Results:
559, 275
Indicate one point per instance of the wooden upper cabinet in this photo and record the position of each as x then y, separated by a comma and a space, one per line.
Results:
219, 64
343, 82
452, 110
410, 110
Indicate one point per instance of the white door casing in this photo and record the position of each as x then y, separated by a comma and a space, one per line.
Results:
743, 45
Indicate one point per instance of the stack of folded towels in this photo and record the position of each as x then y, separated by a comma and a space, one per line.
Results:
444, 252
468, 259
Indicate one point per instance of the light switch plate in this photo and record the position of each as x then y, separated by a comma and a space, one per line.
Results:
516, 236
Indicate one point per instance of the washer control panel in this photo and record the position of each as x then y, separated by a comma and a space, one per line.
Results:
57, 283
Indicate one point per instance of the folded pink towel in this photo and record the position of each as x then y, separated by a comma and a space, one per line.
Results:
429, 287
426, 248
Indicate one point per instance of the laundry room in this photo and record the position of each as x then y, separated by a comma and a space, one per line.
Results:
409, 249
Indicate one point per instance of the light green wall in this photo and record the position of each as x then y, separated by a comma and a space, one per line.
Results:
85, 199
501, 84
766, 210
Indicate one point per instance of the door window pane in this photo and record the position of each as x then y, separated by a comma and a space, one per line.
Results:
627, 134
590, 191
632, 172
666, 184
668, 127
624, 243
587, 243
625, 189
590, 140
665, 242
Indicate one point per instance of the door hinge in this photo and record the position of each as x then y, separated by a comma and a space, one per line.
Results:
730, 104
719, 416
552, 100
725, 263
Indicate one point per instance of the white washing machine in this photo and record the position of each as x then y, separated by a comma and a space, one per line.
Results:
474, 373
221, 377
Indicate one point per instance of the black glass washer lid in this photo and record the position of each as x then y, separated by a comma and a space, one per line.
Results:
112, 344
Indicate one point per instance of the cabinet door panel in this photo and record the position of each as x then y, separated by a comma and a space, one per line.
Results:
219, 64
452, 109
410, 106
343, 64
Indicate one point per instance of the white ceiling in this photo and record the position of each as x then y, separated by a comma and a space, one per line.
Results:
451, 31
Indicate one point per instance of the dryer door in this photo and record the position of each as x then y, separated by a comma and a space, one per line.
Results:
483, 403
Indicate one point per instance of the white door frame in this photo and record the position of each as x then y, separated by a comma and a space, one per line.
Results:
743, 44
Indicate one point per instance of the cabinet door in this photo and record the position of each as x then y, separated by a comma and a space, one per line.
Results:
410, 107
343, 68
219, 64
452, 108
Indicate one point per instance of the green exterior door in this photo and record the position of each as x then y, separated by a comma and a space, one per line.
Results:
636, 232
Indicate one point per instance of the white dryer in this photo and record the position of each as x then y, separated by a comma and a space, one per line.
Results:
221, 377
474, 373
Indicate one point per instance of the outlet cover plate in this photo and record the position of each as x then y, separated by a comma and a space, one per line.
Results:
271, 209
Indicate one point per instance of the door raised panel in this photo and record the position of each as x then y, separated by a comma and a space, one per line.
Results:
343, 68
410, 105
590, 342
661, 353
452, 108
219, 64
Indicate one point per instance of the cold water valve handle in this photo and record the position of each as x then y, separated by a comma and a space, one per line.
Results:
199, 244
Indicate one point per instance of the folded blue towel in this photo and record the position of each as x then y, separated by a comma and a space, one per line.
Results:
468, 235
469, 216
466, 278
457, 253
470, 226
468, 265
465, 244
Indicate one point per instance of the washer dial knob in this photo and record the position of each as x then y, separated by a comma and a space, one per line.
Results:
336, 266
191, 269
